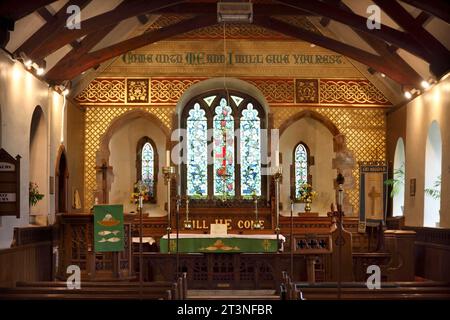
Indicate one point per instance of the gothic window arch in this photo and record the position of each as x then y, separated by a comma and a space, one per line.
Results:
147, 166
224, 128
300, 173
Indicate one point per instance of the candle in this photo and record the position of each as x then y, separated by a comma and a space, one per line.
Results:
277, 158
167, 158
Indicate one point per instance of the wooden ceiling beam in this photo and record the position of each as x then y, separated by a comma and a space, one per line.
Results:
73, 67
385, 33
57, 24
440, 55
125, 10
438, 8
390, 56
369, 59
89, 42
16, 10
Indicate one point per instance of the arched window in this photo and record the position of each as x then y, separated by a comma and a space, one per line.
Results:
230, 163
398, 188
301, 165
433, 171
147, 166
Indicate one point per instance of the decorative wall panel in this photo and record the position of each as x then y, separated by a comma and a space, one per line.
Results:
169, 90
103, 90
306, 91
275, 90
350, 92
138, 90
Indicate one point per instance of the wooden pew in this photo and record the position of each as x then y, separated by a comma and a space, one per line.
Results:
158, 290
359, 290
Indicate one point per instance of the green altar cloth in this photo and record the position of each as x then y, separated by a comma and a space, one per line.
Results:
203, 243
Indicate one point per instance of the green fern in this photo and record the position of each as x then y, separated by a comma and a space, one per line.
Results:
397, 181
435, 190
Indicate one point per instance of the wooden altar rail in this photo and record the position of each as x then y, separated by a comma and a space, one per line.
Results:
30, 258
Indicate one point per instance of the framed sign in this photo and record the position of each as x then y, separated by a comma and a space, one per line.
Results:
9, 184
108, 228
373, 194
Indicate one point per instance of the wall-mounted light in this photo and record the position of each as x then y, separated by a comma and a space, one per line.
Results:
425, 84
407, 95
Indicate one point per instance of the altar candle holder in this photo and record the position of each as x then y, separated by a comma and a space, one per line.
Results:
187, 223
168, 173
256, 224
277, 174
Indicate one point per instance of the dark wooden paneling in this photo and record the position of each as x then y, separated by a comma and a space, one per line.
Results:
31, 262
432, 253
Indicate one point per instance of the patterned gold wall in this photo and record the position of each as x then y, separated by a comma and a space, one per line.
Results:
355, 106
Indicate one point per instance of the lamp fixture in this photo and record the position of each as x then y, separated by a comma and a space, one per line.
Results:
235, 12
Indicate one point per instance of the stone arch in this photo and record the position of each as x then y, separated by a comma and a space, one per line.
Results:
38, 163
344, 161
61, 181
221, 84
103, 152
311, 114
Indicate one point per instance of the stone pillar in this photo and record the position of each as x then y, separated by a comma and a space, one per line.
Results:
344, 162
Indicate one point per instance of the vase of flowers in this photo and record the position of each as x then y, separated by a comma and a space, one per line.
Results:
140, 191
34, 195
307, 194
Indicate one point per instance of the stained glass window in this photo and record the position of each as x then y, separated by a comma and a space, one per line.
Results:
211, 169
148, 167
223, 126
301, 167
250, 152
197, 161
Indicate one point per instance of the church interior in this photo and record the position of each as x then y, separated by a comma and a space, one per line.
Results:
214, 150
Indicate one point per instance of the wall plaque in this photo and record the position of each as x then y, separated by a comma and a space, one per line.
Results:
9, 184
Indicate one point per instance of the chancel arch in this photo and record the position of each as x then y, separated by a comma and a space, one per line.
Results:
433, 172
38, 163
116, 159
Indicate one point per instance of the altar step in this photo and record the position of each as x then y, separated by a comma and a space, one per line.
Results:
232, 295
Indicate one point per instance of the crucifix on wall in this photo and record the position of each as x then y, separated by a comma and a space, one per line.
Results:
373, 195
103, 171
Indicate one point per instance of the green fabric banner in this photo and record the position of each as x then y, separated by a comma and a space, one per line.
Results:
108, 228
219, 245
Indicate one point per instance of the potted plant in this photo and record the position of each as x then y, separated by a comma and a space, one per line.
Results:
397, 181
34, 195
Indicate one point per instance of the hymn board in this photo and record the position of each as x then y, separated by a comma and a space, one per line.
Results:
9, 184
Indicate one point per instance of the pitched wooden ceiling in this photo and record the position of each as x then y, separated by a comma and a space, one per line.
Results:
411, 45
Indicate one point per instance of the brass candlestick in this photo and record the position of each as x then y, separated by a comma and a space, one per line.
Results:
187, 222
278, 173
256, 224
168, 173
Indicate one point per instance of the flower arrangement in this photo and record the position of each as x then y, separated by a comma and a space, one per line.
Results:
306, 195
34, 195
139, 189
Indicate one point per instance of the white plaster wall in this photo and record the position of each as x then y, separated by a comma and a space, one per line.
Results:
122, 146
421, 112
20, 93
38, 160
320, 142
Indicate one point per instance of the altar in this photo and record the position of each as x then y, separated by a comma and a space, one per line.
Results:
230, 243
